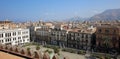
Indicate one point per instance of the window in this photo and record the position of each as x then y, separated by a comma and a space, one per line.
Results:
25, 32
25, 36
14, 33
86, 36
23, 40
20, 40
2, 41
114, 31
8, 40
72, 33
1, 35
99, 30
107, 31
14, 38
19, 33
72, 38
19, 37
27, 39
7, 34
82, 36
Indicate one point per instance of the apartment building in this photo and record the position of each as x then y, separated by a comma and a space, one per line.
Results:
58, 37
14, 36
42, 34
108, 38
79, 40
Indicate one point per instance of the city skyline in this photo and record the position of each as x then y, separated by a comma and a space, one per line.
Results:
24, 10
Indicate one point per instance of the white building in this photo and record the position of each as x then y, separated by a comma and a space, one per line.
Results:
14, 36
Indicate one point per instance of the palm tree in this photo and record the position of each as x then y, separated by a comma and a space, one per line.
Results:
106, 42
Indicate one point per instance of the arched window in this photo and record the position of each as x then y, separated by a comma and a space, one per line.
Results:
106, 31
99, 30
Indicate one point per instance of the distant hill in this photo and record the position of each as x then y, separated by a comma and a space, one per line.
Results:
76, 19
111, 14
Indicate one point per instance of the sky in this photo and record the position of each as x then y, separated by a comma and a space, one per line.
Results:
25, 10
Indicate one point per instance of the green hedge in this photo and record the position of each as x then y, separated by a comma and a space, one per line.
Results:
81, 52
74, 51
48, 51
51, 46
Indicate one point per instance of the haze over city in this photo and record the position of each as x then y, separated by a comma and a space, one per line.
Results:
59, 29
25, 10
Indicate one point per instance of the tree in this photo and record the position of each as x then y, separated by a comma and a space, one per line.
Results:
106, 43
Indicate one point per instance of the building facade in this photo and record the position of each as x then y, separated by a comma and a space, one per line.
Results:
58, 37
42, 34
108, 39
79, 40
7, 24
14, 36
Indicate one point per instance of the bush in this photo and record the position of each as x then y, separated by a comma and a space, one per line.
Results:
51, 46
107, 57
81, 52
98, 56
69, 50
28, 49
26, 44
64, 49
72, 51
48, 51
56, 50
37, 47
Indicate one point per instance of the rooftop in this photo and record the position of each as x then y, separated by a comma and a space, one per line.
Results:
4, 55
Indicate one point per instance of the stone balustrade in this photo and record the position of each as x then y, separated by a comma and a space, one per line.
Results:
29, 54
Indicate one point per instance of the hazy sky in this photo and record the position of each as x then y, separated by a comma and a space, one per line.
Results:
53, 9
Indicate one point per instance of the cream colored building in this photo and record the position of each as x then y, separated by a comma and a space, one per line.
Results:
14, 36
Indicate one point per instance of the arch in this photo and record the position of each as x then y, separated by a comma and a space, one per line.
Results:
16, 49
6, 47
46, 56
55, 57
66, 58
11, 48
1, 46
22, 51
29, 53
36, 55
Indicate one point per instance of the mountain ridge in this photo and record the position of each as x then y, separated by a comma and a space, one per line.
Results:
110, 14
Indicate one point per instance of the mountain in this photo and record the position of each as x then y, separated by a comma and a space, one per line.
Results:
111, 14
76, 19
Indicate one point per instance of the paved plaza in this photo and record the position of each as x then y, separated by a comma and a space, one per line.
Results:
62, 53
